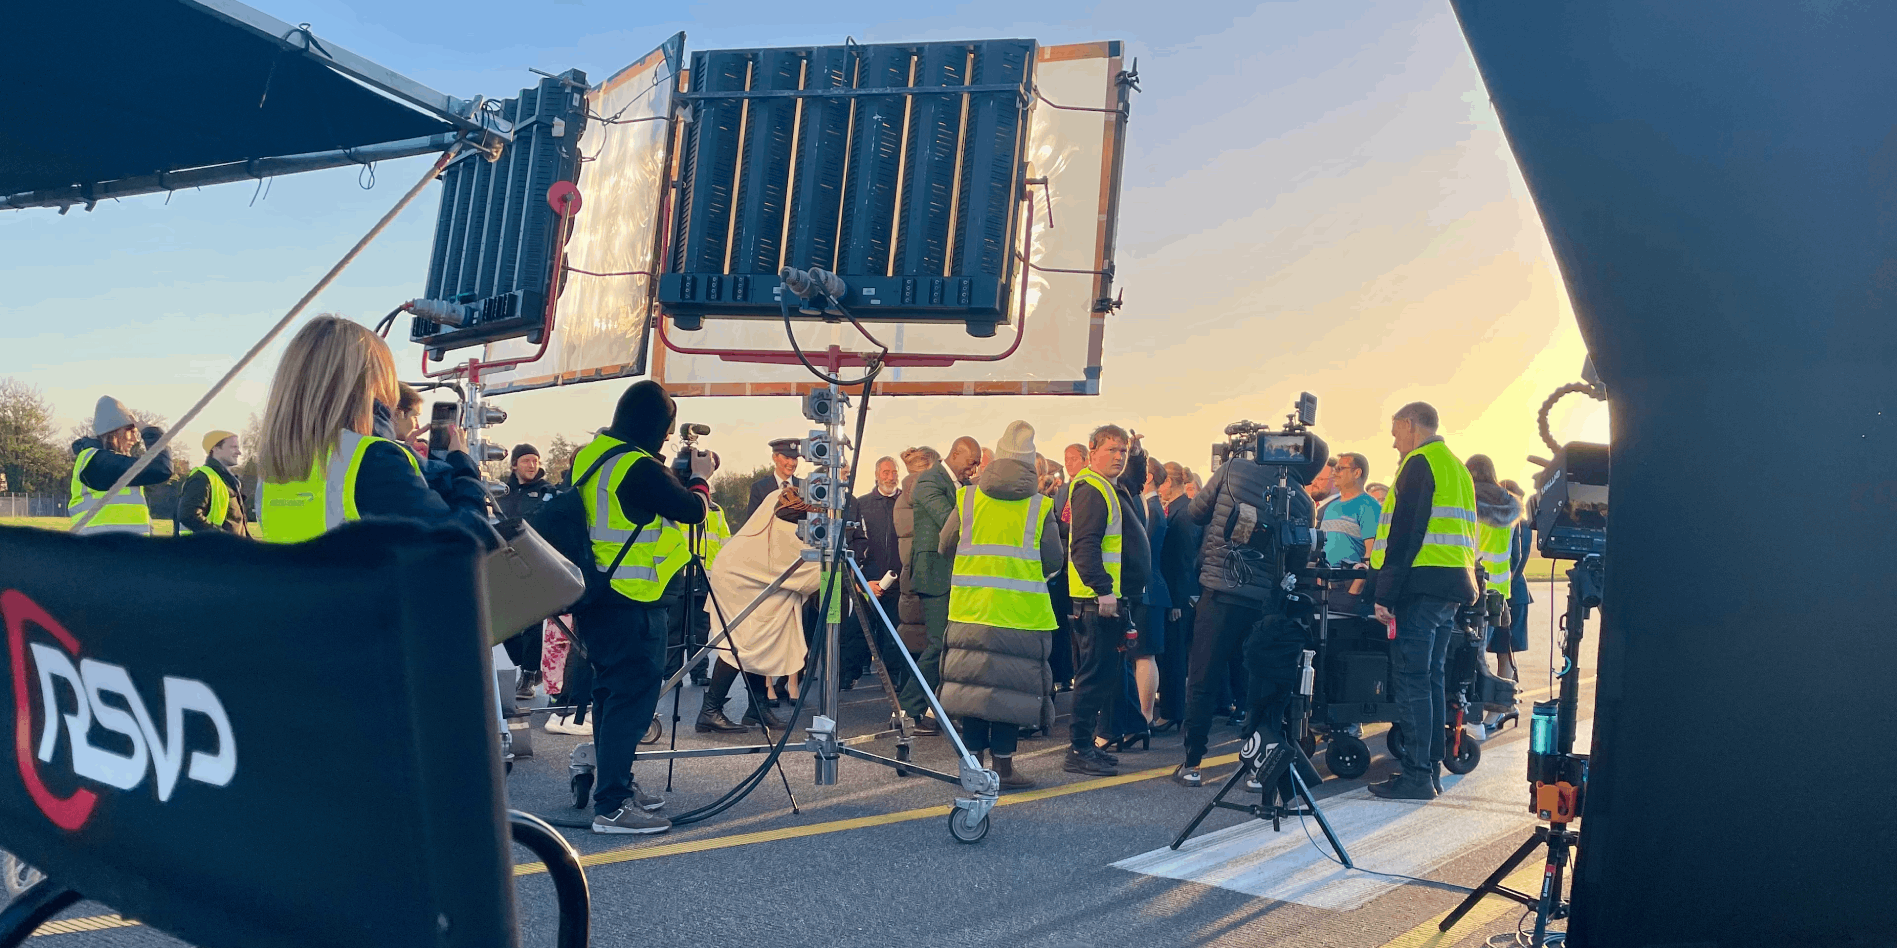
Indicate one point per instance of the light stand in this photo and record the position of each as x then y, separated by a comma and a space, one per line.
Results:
822, 531
1558, 775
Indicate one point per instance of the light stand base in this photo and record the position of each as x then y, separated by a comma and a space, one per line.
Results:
1275, 763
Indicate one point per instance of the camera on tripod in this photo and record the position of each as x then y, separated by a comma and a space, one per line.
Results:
689, 434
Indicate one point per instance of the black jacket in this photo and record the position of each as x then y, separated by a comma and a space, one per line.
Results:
1179, 555
1217, 508
107, 466
194, 502
1409, 523
1089, 524
521, 500
882, 554
760, 489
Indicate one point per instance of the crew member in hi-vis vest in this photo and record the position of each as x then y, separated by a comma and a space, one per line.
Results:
1425, 558
99, 461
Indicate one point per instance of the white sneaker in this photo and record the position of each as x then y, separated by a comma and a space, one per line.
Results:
563, 724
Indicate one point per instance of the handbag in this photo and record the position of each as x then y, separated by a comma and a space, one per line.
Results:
527, 581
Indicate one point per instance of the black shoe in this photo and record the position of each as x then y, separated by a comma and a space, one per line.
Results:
1081, 762
772, 721
714, 721
927, 725
1102, 756
847, 684
1436, 777
1026, 733
525, 691
1404, 787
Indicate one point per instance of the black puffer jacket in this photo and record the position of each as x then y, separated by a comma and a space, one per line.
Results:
1216, 508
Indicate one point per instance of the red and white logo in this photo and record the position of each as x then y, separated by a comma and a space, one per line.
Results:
73, 694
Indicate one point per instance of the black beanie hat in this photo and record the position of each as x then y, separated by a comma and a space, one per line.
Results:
644, 415
521, 451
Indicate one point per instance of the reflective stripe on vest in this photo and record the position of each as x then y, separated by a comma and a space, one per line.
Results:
658, 547
295, 511
123, 512
1494, 545
997, 578
1449, 539
220, 496
1110, 544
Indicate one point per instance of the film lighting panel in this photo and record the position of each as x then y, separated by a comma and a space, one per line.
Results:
898, 167
496, 235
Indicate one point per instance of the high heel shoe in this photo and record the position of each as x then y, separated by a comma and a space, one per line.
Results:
1161, 726
1125, 742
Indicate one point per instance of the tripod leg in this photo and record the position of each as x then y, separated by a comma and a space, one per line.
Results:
1494, 882
1550, 883
1245, 766
1304, 790
876, 658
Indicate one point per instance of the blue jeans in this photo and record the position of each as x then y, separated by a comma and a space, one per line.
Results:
1424, 625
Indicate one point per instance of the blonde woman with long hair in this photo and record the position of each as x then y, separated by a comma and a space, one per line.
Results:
328, 455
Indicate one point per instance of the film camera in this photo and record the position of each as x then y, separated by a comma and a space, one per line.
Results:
1251, 441
1571, 508
688, 434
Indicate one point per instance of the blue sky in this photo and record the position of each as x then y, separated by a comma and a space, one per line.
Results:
1317, 196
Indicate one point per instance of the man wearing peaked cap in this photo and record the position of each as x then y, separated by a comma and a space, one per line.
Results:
784, 457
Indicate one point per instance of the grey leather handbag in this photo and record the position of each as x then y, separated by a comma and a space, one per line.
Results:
527, 581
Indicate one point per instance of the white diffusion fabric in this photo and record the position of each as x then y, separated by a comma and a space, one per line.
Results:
1060, 351
600, 320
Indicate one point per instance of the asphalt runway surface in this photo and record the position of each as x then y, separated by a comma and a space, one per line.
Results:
1077, 862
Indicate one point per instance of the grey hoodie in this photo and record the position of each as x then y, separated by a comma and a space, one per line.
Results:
1495, 506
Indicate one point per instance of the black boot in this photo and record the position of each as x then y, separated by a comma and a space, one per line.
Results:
1405, 787
753, 715
1436, 777
713, 720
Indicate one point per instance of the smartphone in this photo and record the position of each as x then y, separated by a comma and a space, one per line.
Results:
444, 415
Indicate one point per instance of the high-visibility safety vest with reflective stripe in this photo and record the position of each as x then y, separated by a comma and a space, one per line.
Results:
294, 511
1449, 539
220, 495
658, 548
717, 533
997, 578
123, 512
1493, 544
1110, 544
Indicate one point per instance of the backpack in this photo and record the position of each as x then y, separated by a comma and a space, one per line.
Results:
562, 523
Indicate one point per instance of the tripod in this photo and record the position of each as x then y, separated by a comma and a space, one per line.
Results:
1559, 776
1284, 774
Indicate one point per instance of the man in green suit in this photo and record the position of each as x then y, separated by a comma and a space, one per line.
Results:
930, 571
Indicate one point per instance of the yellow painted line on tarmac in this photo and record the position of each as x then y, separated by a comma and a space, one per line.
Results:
1427, 935
613, 856
73, 926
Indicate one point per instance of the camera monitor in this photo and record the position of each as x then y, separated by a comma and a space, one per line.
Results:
1571, 515
1284, 448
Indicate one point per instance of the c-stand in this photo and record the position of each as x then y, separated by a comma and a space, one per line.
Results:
1558, 776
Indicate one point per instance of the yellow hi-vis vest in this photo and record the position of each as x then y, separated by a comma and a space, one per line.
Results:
716, 534
1493, 544
294, 511
997, 578
220, 495
1110, 544
1449, 539
658, 548
123, 512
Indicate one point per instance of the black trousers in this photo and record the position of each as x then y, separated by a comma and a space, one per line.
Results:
1172, 666
1218, 640
524, 649
981, 734
625, 643
687, 627
1060, 658
719, 690
1099, 670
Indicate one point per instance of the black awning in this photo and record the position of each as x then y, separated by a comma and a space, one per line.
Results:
104, 89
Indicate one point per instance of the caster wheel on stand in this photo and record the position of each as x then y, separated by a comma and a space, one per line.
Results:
965, 831
16, 876
654, 732
1468, 754
582, 790
1347, 757
902, 754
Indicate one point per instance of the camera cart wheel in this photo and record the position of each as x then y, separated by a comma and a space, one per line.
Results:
1347, 757
965, 831
654, 732
582, 790
1468, 754
1394, 740
903, 755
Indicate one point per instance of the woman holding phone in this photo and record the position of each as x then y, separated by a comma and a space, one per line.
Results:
321, 460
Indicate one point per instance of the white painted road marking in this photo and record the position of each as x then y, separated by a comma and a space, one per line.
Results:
1393, 836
